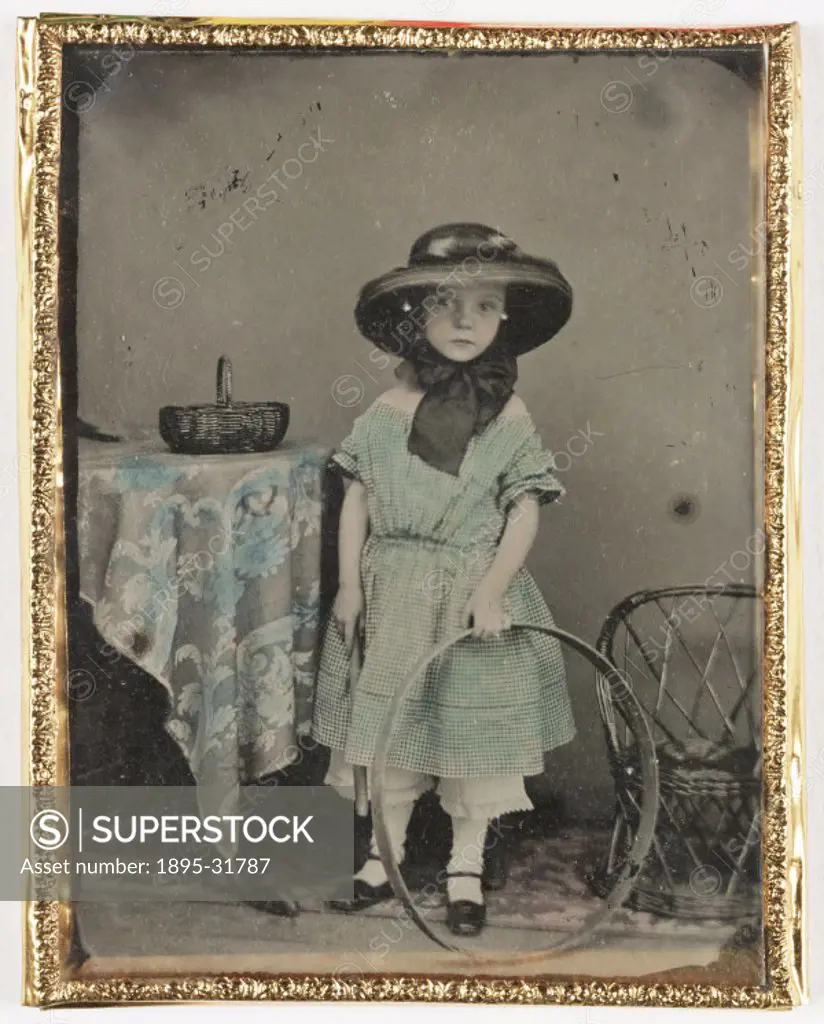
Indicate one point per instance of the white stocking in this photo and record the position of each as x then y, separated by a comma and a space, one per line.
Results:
402, 788
468, 839
397, 818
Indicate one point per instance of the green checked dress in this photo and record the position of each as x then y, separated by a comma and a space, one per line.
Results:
488, 706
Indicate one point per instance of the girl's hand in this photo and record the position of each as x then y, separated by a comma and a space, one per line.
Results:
485, 613
347, 612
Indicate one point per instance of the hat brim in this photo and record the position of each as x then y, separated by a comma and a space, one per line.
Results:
538, 301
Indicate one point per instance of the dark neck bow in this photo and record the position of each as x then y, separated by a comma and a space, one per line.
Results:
460, 400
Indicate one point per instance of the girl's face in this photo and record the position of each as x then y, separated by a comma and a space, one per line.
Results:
465, 325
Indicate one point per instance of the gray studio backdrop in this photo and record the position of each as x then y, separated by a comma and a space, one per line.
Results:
633, 173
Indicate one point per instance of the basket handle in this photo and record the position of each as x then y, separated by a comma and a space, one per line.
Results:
224, 381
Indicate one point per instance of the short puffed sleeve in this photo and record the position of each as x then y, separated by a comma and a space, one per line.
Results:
531, 470
349, 458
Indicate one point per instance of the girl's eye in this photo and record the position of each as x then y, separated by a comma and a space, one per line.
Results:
490, 306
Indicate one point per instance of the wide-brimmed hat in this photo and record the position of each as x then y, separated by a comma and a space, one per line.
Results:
392, 309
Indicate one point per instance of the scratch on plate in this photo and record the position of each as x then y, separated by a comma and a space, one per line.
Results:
638, 369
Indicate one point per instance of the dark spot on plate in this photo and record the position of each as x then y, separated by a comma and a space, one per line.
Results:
141, 643
684, 508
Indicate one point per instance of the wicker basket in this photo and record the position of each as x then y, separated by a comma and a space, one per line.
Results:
227, 427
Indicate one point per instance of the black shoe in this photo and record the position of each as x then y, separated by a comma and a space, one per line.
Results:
364, 895
496, 865
465, 917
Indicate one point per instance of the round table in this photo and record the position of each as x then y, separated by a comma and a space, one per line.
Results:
205, 571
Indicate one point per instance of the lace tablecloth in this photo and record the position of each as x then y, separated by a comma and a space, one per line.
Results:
204, 570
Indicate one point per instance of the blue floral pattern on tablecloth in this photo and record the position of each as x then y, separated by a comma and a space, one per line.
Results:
204, 570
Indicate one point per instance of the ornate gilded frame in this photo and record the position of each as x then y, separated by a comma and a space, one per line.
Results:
48, 981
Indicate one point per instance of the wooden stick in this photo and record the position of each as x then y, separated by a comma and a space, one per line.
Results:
359, 770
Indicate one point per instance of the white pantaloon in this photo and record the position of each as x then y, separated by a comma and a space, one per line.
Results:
485, 796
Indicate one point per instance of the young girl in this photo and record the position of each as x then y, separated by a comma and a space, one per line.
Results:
445, 475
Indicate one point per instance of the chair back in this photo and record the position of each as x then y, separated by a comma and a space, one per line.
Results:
690, 654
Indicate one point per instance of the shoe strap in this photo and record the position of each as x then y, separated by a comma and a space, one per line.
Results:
463, 874
373, 856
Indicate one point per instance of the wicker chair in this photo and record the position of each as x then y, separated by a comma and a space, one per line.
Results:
689, 654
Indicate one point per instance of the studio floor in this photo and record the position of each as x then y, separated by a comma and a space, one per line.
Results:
546, 898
